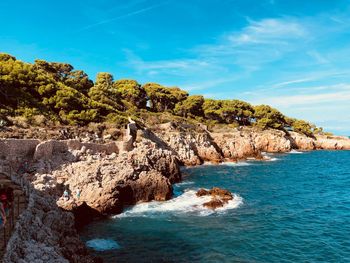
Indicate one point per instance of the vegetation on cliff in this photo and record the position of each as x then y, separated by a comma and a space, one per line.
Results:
56, 92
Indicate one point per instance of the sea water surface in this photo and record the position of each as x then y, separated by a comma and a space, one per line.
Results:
295, 208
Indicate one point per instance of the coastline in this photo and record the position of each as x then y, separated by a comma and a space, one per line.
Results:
140, 168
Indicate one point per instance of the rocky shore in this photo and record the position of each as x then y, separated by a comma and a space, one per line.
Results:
140, 167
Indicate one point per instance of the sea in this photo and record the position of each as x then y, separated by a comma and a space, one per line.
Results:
293, 208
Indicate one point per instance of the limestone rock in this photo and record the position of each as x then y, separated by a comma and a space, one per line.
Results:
214, 204
302, 142
332, 142
219, 197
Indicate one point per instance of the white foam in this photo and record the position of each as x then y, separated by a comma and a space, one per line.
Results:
102, 244
235, 163
188, 202
269, 157
184, 183
273, 159
295, 152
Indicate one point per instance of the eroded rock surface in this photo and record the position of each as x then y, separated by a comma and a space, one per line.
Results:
108, 176
219, 197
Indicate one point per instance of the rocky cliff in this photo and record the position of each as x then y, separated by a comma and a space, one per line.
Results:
109, 177
141, 167
194, 145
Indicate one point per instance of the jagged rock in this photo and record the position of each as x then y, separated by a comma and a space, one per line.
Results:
271, 141
192, 148
214, 204
216, 192
219, 197
146, 174
83, 214
236, 145
302, 142
241, 144
332, 142
45, 233
202, 192
220, 193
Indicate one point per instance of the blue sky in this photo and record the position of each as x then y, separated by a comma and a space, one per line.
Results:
291, 54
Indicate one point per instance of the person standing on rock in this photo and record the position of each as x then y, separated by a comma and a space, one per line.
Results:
66, 195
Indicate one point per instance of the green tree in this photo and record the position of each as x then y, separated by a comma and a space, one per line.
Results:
17, 82
132, 93
190, 107
302, 126
212, 110
162, 98
268, 117
104, 95
63, 72
236, 111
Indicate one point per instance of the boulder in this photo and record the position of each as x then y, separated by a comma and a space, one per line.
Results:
214, 204
220, 193
202, 192
219, 197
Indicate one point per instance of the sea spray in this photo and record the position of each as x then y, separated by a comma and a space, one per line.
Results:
236, 163
187, 202
295, 152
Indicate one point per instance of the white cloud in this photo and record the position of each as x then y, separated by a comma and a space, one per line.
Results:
287, 101
340, 93
233, 55
173, 67
259, 43
294, 81
269, 31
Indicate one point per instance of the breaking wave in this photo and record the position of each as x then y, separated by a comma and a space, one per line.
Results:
269, 157
236, 163
272, 159
295, 152
187, 202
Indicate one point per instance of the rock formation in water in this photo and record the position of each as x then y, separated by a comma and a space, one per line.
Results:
219, 197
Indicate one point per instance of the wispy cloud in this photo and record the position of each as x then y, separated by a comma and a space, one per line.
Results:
295, 100
129, 14
312, 77
238, 53
258, 43
183, 67
294, 81
269, 31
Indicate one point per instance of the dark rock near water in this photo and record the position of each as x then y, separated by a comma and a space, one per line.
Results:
220, 197
214, 203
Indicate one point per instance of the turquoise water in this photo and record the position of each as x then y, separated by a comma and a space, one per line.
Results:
293, 209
